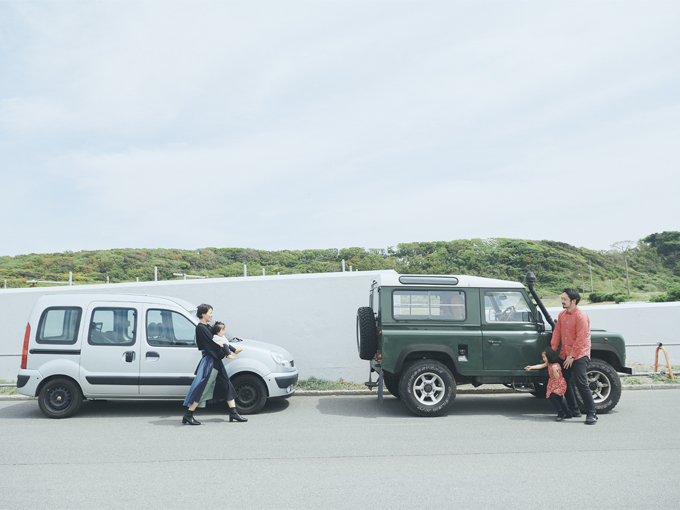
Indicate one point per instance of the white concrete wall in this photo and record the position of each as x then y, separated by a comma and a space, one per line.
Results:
639, 323
313, 315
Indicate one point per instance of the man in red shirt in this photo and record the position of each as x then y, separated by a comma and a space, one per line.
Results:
572, 331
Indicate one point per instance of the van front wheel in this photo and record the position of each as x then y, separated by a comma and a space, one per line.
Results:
60, 398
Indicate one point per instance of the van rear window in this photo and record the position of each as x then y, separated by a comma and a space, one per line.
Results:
59, 325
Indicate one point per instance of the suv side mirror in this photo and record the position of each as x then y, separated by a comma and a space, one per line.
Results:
539, 321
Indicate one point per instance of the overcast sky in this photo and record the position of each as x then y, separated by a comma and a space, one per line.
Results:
319, 124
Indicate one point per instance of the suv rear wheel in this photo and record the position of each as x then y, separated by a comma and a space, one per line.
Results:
427, 387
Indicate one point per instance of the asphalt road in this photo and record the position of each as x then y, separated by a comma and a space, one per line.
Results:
491, 451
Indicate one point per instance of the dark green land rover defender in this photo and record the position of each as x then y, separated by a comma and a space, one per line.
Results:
424, 335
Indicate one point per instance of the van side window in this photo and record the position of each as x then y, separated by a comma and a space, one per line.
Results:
113, 326
438, 305
164, 327
59, 325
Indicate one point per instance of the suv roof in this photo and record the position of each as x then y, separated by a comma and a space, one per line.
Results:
394, 279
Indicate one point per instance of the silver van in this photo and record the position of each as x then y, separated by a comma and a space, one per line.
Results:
96, 346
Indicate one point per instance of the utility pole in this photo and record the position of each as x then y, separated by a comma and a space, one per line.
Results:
591, 276
627, 280
583, 285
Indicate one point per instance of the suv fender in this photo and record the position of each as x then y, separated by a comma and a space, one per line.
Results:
607, 353
425, 350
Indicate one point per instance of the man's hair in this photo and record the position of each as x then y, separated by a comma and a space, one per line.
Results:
202, 310
217, 327
573, 294
551, 355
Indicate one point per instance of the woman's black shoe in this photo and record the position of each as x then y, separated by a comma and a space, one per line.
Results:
234, 416
189, 418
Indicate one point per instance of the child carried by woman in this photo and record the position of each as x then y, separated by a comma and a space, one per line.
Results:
218, 331
557, 385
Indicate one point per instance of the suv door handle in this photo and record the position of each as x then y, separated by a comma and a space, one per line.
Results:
494, 342
129, 356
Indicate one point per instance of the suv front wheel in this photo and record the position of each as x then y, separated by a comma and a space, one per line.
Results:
427, 387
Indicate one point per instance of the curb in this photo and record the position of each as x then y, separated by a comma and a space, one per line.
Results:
361, 393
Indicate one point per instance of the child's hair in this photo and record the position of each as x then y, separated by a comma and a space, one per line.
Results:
217, 327
551, 355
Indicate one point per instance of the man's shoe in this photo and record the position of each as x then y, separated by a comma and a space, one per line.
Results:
576, 414
591, 420
568, 416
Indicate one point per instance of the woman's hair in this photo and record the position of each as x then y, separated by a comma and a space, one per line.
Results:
551, 355
202, 310
217, 327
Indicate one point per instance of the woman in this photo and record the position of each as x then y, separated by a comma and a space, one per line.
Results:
211, 383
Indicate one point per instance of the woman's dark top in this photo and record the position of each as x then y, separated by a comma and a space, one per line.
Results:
204, 342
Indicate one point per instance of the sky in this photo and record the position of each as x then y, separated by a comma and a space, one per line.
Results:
332, 124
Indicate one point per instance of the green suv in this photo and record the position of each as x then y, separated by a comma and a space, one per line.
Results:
425, 334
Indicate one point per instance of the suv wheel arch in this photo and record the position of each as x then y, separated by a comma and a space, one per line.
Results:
434, 351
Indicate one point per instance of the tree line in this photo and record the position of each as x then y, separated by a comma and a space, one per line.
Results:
653, 263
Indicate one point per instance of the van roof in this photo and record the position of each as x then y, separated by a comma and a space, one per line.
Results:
83, 299
388, 279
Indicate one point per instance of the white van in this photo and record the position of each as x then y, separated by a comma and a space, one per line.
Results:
100, 346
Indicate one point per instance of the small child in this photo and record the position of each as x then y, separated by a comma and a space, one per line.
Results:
557, 385
218, 331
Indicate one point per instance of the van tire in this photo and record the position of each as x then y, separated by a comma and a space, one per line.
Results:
251, 393
418, 388
367, 333
60, 398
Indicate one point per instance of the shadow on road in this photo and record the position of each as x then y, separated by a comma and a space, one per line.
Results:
511, 406
164, 412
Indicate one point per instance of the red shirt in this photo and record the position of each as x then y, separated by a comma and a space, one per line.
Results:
573, 331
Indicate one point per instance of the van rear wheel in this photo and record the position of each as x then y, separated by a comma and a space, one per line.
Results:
60, 398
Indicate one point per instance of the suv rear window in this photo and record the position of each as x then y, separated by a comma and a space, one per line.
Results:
437, 305
59, 325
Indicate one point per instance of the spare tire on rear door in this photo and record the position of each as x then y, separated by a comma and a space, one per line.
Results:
367, 333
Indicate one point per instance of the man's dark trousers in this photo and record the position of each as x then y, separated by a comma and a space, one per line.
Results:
576, 376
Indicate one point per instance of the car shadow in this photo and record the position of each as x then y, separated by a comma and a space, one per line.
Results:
162, 412
511, 406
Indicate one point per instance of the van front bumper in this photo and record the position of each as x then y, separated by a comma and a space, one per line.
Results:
281, 384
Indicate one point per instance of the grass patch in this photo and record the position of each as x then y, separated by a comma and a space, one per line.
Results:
630, 380
7, 390
324, 385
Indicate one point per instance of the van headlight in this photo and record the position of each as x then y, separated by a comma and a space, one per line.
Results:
280, 359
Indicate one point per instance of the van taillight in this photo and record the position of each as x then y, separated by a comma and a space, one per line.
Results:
24, 353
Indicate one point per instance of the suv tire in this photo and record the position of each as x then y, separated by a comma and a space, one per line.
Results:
605, 385
251, 393
367, 333
427, 388
60, 398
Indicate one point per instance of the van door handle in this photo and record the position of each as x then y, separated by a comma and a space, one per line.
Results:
152, 356
129, 356
494, 342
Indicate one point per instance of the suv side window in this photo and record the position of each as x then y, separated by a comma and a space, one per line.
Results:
113, 326
168, 328
438, 305
506, 306
59, 325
